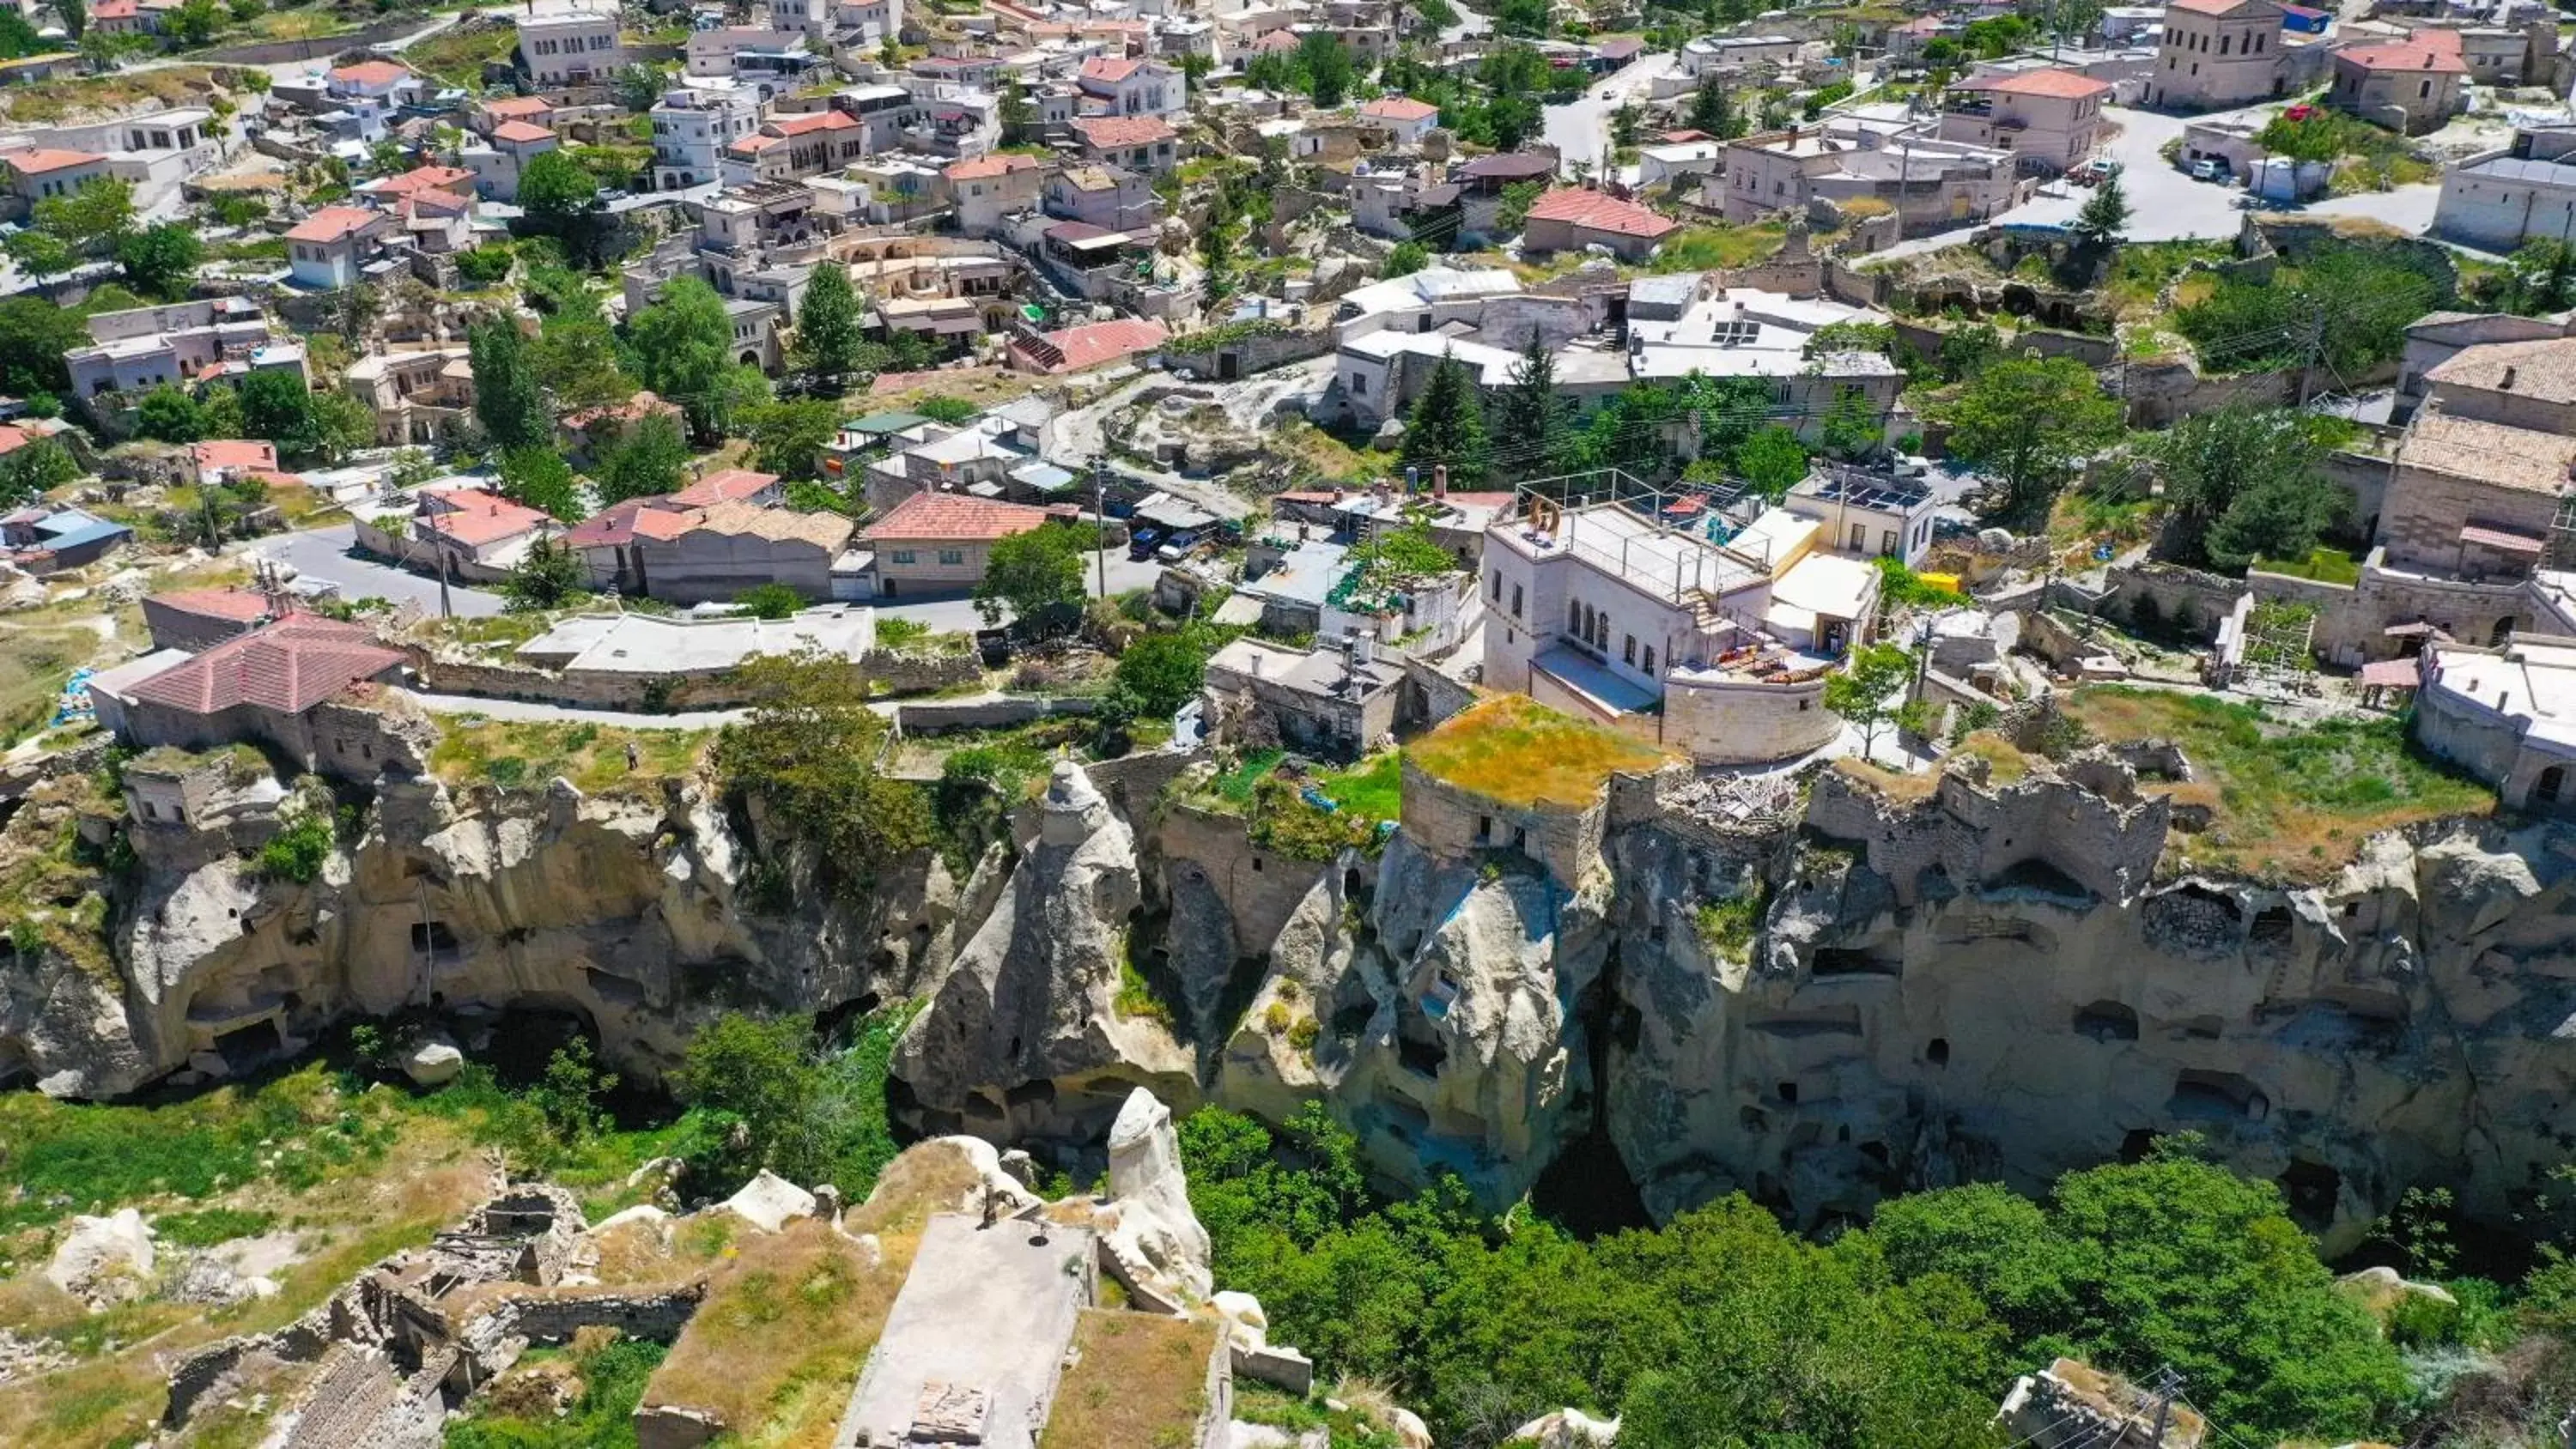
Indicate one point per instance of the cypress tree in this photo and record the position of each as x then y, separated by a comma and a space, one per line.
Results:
1447, 425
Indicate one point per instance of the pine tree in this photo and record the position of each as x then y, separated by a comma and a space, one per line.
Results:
507, 400
827, 326
1447, 426
1530, 416
1708, 108
2105, 215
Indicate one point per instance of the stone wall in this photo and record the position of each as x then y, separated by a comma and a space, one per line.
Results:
2185, 599
887, 672
1252, 354
1853, 287
1451, 824
1431, 696
934, 716
554, 1317
1259, 888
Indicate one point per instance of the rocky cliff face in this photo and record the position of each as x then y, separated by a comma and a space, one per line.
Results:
626, 911
1985, 979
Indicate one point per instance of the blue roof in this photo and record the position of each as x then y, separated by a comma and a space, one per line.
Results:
91, 531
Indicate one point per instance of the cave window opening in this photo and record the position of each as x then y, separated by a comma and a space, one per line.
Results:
1256, 865
1419, 1051
434, 937
2271, 927
2551, 784
2136, 1143
1937, 1052
2107, 1021
1789, 1093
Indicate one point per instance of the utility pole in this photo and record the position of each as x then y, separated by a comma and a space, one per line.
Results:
446, 610
2309, 354
2166, 1388
1100, 516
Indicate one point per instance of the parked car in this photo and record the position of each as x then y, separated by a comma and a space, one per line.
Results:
2094, 172
1141, 543
2210, 168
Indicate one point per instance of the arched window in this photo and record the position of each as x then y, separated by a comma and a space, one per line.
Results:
2551, 785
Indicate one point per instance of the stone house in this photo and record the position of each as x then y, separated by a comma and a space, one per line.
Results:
935, 543
1109, 197
989, 188
1721, 651
717, 552
2217, 54
1405, 119
2439, 336
1331, 703
270, 686
498, 165
416, 396
2410, 87
2499, 201
36, 173
2507, 713
199, 619
1571, 219
577, 47
1128, 86
326, 250
1139, 143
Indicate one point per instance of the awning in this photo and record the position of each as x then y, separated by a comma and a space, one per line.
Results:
2502, 539
2394, 674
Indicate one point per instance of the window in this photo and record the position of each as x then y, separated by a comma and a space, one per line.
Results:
903, 555
149, 813
1574, 617
2423, 91
952, 557
1516, 601
1650, 659
2223, 42
1887, 541
1859, 537
1359, 384
1498, 588
1628, 650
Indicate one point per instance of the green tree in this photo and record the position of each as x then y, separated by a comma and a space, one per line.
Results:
75, 17
1447, 425
561, 199
827, 326
540, 478
2261, 467
567, 1096
91, 216
35, 468
1710, 109
2104, 219
34, 335
1016, 115
1530, 415
278, 407
771, 600
1161, 672
807, 748
2317, 136
339, 425
683, 349
576, 362
639, 87
194, 23
652, 461
1864, 691
756, 1075
507, 400
1513, 212
1195, 66
219, 413
1772, 461
40, 254
2024, 425
1407, 258
1852, 428
1036, 576
1216, 253
548, 576
788, 438
1326, 63
168, 414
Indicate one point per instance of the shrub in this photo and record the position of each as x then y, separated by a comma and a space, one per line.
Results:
483, 266
769, 601
297, 852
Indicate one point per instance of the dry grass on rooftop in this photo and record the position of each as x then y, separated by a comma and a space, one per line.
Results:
1516, 751
2287, 802
787, 1324
525, 754
1139, 1382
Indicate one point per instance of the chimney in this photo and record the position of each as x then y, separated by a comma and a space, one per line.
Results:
2507, 384
1440, 480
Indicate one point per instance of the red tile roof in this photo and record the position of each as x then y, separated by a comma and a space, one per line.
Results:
953, 517
37, 160
421, 178
114, 10
12, 438
1400, 108
1118, 132
620, 524
2436, 51
814, 121
332, 223
368, 73
985, 167
1276, 40
1101, 342
519, 106
2216, 7
290, 666
233, 453
634, 410
724, 486
519, 133
1598, 211
2064, 85
2408, 55
473, 517
1109, 68
241, 606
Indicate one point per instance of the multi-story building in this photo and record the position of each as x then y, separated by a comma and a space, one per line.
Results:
749, 53
1720, 650
2050, 120
1108, 197
692, 126
330, 248
498, 163
570, 47
178, 344
2217, 54
989, 188
1127, 86
1931, 183
1140, 143
416, 397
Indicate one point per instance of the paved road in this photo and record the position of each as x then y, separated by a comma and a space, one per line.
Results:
520, 709
2167, 205
1580, 129
324, 553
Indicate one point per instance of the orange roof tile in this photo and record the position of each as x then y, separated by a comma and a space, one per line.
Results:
2063, 85
2409, 55
953, 517
233, 453
519, 106
368, 73
986, 167
290, 666
1597, 211
421, 178
332, 223
726, 485
242, 606
1101, 342
519, 133
37, 160
813, 121
1116, 132
474, 517
1399, 108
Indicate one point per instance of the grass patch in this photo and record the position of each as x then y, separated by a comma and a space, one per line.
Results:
1139, 1381
1726, 927
1137, 1000
45, 102
208, 1226
1374, 787
1516, 751
457, 54
613, 1373
1235, 786
516, 754
2287, 803
1699, 248
2325, 564
786, 1325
